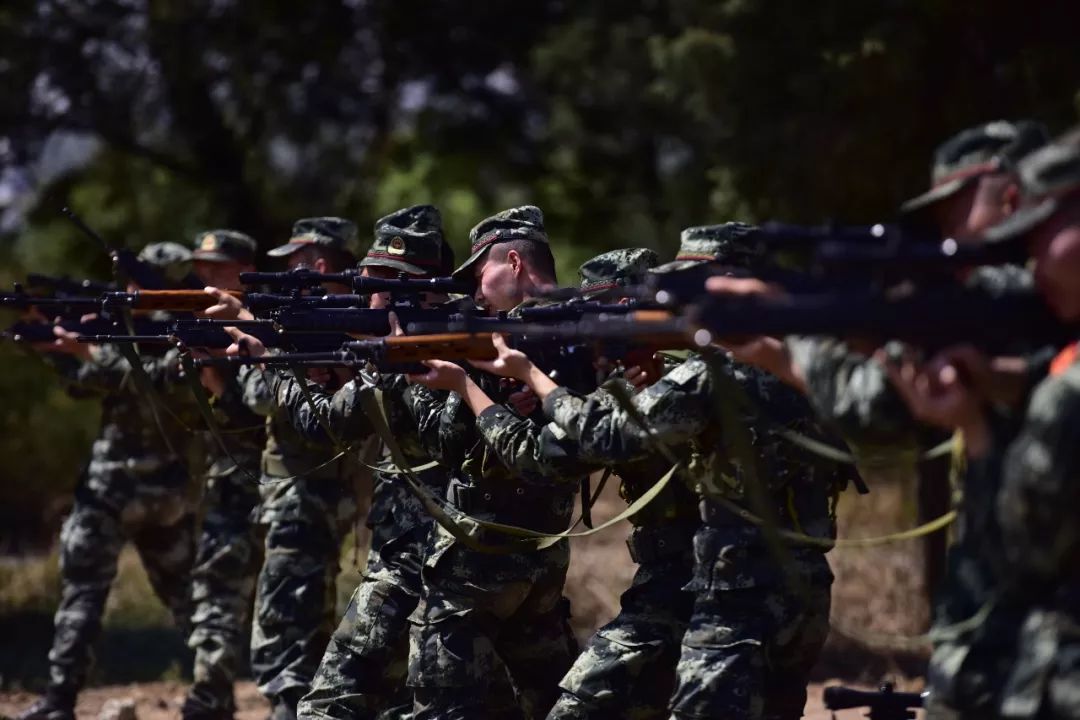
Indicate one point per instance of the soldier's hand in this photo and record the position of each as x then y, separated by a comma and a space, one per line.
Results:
938, 393
742, 287
509, 363
639, 377
441, 375
66, 342
227, 307
244, 344
524, 402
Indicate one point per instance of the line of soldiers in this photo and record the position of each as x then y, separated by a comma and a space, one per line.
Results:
724, 617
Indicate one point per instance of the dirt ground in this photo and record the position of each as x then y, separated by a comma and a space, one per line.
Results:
878, 597
161, 701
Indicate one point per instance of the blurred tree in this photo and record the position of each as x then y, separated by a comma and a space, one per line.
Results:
625, 121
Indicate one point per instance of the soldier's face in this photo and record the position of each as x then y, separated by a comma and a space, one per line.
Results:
1055, 246
498, 281
222, 275
970, 212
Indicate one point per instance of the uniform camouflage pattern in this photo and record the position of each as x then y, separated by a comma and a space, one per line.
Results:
228, 559
172, 260
477, 610
1021, 662
225, 246
362, 672
409, 240
306, 507
974, 152
331, 233
757, 624
614, 269
520, 223
729, 244
135, 488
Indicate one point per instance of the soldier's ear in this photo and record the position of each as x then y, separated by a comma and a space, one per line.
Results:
321, 266
514, 260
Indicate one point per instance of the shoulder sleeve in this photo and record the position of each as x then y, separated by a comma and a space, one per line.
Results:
108, 369
444, 424
257, 394
851, 392
1040, 489
675, 409
539, 454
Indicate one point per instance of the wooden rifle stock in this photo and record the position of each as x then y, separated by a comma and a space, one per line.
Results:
445, 346
176, 300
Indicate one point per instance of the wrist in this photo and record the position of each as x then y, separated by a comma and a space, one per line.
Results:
978, 438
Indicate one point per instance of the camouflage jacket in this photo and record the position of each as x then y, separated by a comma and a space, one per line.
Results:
685, 408
541, 454
288, 452
240, 429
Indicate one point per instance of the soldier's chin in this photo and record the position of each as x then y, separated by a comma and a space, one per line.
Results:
1064, 304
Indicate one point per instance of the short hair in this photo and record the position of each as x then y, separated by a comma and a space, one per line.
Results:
337, 260
537, 255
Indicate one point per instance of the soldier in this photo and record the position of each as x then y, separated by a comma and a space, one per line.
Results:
135, 488
628, 667
476, 608
760, 613
1015, 655
307, 505
230, 551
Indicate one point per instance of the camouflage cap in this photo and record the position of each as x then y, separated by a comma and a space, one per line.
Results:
520, 223
729, 243
409, 240
328, 232
225, 246
171, 260
1048, 178
972, 153
615, 269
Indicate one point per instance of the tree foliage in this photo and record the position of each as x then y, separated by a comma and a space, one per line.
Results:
625, 121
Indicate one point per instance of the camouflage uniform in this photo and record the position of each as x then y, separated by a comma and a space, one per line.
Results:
362, 673
627, 669
135, 488
229, 551
475, 608
1020, 659
306, 507
757, 624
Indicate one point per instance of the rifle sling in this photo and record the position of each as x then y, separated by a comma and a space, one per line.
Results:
465, 528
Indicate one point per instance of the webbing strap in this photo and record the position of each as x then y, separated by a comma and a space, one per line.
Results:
463, 527
829, 452
203, 403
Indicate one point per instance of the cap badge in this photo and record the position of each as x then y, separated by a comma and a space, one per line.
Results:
396, 246
209, 242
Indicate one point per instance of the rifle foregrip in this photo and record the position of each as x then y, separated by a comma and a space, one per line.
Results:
446, 346
177, 300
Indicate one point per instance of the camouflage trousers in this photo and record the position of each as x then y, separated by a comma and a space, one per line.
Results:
113, 505
363, 671
627, 669
755, 632
479, 613
305, 521
222, 587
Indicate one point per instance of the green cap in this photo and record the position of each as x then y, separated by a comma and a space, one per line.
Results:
520, 223
1047, 178
729, 243
615, 269
409, 240
172, 260
225, 246
972, 153
327, 232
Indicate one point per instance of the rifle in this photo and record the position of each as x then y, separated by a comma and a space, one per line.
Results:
161, 300
52, 305
65, 285
126, 264
402, 287
884, 703
210, 334
32, 331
